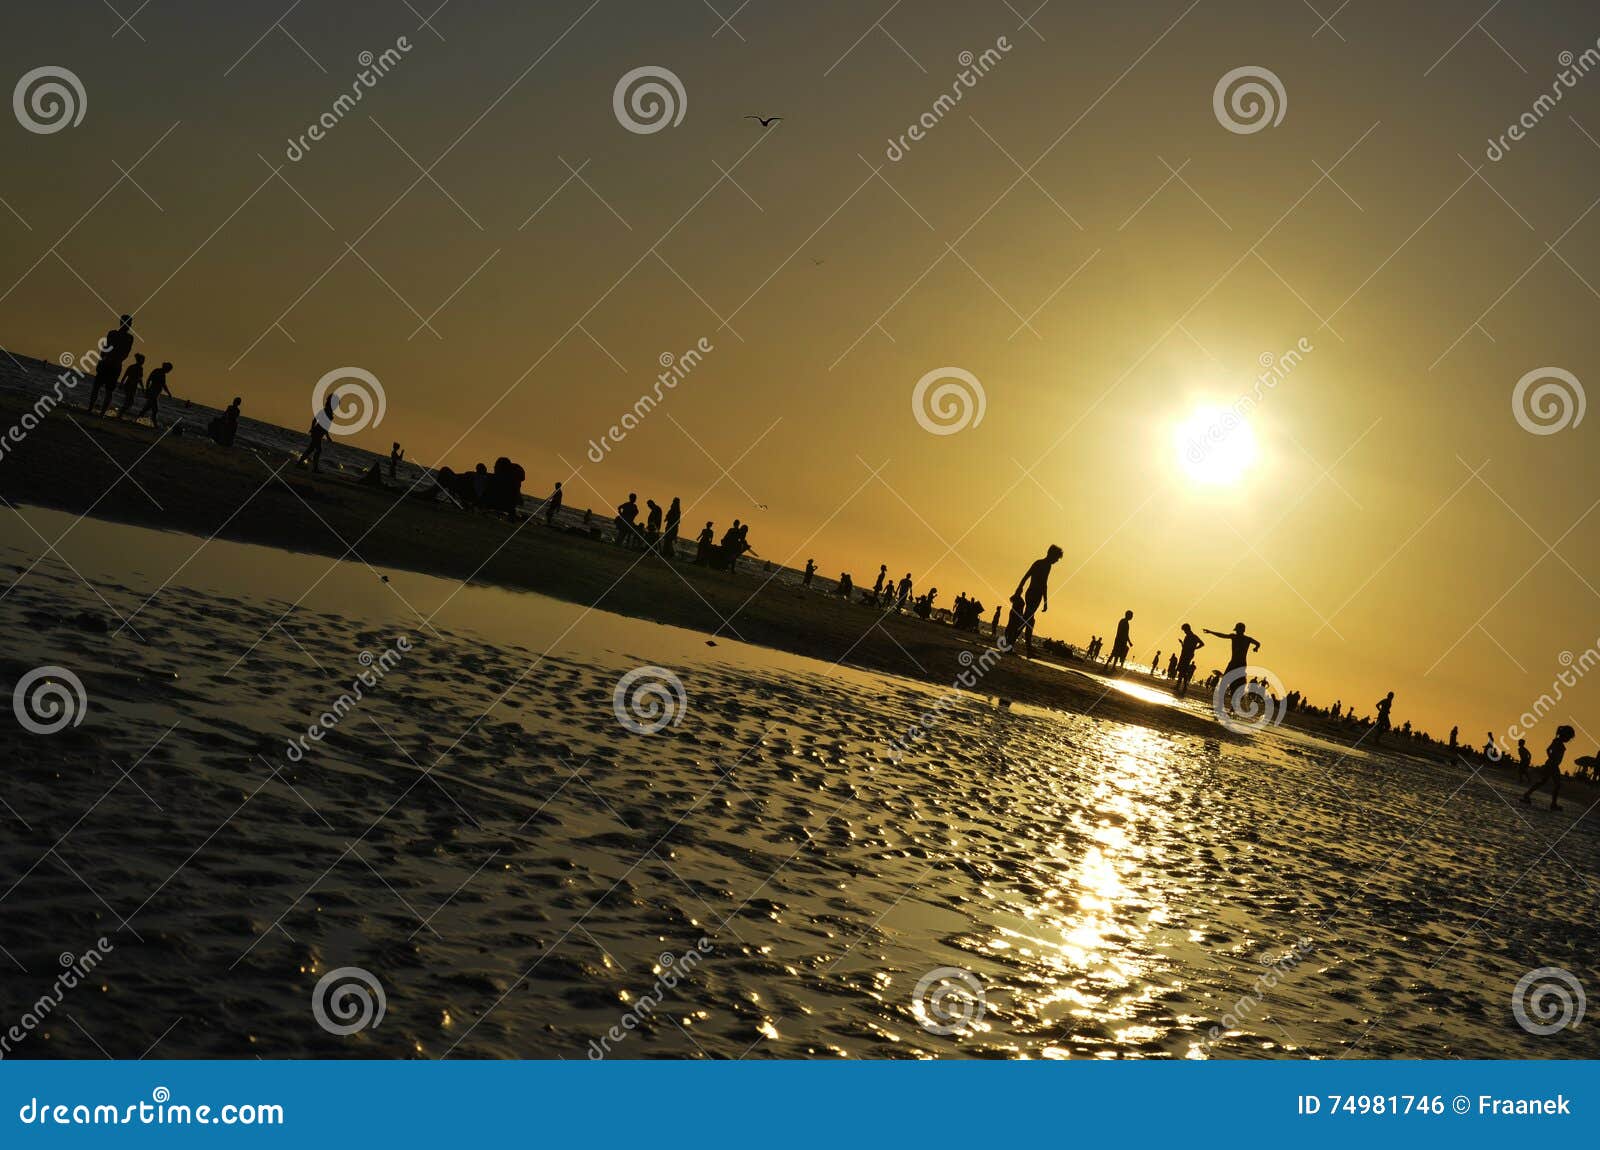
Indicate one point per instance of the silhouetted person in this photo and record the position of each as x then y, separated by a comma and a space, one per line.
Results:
1552, 767
1453, 732
395, 456
153, 389
1172, 666
877, 585
552, 506
905, 592
225, 427
994, 624
704, 543
1243, 645
1185, 667
627, 515
811, 569
845, 586
1122, 642
1490, 751
652, 522
669, 537
1381, 726
321, 428
114, 348
1033, 591
132, 380
1524, 761
1156, 662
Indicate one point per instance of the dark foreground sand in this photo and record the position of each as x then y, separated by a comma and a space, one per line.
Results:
520, 874
237, 494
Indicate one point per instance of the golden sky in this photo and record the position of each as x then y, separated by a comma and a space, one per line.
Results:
1080, 232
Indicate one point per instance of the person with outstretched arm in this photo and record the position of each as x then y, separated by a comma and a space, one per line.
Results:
1243, 646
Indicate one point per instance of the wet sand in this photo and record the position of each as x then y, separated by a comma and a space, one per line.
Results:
483, 836
190, 485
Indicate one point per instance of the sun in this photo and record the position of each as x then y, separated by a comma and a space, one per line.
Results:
1215, 446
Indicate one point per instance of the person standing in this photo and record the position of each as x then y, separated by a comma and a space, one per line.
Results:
321, 428
669, 539
905, 592
1122, 642
1243, 646
396, 454
552, 506
811, 569
1185, 669
1033, 591
132, 380
113, 349
1381, 726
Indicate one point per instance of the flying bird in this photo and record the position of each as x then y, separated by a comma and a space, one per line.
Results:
766, 121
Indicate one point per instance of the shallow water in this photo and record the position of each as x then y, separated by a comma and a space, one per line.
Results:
520, 873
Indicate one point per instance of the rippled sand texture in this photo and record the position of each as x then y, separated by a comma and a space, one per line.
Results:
512, 873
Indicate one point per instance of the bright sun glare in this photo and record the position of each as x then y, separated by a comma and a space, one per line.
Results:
1215, 446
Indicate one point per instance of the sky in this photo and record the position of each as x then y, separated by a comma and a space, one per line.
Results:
1087, 234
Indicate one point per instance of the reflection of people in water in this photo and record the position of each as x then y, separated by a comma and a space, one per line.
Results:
1033, 591
153, 389
1122, 642
1243, 645
1552, 767
1381, 726
1185, 668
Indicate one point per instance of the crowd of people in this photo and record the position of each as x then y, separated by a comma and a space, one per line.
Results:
499, 490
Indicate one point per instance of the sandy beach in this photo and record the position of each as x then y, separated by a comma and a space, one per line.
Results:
520, 872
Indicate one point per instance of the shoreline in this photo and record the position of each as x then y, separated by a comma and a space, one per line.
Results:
192, 486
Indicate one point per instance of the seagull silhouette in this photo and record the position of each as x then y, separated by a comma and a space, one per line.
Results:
766, 121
